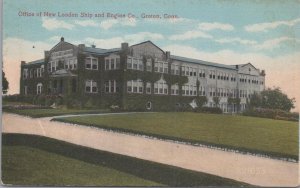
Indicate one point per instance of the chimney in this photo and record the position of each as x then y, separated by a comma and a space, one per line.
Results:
124, 46
263, 73
62, 39
23, 63
237, 67
168, 54
93, 46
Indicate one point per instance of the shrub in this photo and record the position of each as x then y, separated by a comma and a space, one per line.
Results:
272, 113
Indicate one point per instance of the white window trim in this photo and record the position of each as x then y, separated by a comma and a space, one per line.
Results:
135, 83
91, 62
90, 84
39, 88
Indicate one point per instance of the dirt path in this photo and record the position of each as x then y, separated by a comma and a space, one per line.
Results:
250, 169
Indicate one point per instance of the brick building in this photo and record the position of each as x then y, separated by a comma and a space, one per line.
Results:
138, 77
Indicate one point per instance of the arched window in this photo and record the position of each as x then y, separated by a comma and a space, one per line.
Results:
39, 88
161, 87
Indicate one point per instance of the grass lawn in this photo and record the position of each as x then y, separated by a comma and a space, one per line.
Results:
276, 138
36, 113
34, 160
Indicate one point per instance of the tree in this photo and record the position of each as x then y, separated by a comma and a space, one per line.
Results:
216, 101
5, 84
201, 100
272, 99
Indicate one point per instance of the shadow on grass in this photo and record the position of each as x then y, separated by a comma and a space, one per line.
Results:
164, 174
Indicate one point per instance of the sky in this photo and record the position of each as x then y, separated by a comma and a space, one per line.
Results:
264, 33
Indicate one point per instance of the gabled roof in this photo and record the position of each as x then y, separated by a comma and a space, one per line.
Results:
148, 41
39, 61
60, 42
100, 51
242, 65
196, 61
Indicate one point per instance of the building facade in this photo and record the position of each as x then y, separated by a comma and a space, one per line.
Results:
138, 77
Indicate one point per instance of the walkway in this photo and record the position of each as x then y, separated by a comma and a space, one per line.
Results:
250, 169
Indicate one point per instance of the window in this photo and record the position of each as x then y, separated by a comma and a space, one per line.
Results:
118, 63
161, 87
53, 65
111, 86
91, 63
73, 64
175, 69
67, 64
149, 65
201, 90
42, 70
91, 86
31, 73
129, 63
185, 90
148, 88
65, 53
135, 86
39, 88
112, 62
134, 63
148, 105
25, 73
175, 89
25, 90
160, 66
202, 73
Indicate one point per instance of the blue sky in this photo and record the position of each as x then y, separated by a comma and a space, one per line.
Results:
265, 33
239, 14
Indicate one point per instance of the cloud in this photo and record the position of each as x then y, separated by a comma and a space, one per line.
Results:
55, 38
199, 32
282, 71
264, 27
190, 35
115, 42
205, 26
142, 36
273, 43
53, 23
236, 40
86, 23
107, 24
104, 43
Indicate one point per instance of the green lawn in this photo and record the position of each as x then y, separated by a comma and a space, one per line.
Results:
33, 160
258, 135
36, 113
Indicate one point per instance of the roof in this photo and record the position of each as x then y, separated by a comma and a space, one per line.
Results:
196, 61
40, 61
147, 42
242, 65
100, 51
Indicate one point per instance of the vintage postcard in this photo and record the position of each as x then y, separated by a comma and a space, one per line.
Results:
150, 93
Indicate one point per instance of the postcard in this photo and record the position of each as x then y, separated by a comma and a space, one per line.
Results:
150, 93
